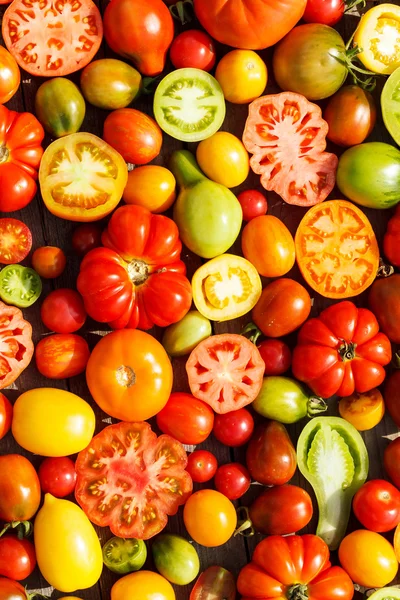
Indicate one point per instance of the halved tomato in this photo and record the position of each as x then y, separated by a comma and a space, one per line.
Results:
16, 348
336, 249
225, 371
286, 135
226, 287
82, 177
52, 38
378, 34
15, 241
130, 480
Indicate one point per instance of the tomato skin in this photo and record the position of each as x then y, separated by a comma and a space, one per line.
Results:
49, 261
327, 12
62, 355
210, 518
110, 84
188, 420
364, 411
63, 311
152, 187
60, 107
10, 75
391, 240
6, 412
11, 590
143, 585
17, 557
135, 135
243, 76
181, 338
271, 457
86, 237
15, 241
391, 461
19, 488
57, 476
281, 510
233, 480
193, 49
202, 466
268, 244
214, 582
276, 355
377, 505
253, 203
234, 429
351, 116
383, 301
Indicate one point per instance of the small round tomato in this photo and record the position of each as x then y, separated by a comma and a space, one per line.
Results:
377, 505
143, 585
224, 159
364, 411
181, 338
150, 186
391, 461
202, 466
19, 488
235, 428
233, 480
10, 76
175, 558
6, 412
276, 356
243, 76
57, 476
15, 240
86, 237
188, 420
215, 582
281, 510
351, 116
124, 556
193, 49
17, 558
49, 261
210, 518
254, 204
109, 83
60, 107
63, 311
62, 355
327, 12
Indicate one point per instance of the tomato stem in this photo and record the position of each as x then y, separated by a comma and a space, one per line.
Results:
384, 270
396, 360
347, 351
245, 528
138, 271
4, 154
316, 405
350, 56
149, 84
298, 591
253, 330
183, 11
22, 528
349, 4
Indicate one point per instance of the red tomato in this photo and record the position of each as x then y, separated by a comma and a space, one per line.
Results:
57, 476
233, 480
391, 461
271, 457
391, 240
16, 348
377, 505
225, 371
10, 76
149, 473
276, 356
327, 12
135, 135
383, 300
215, 583
19, 488
6, 412
281, 510
63, 311
49, 261
15, 241
17, 558
188, 420
202, 466
86, 237
11, 590
235, 428
62, 355
253, 203
351, 116
193, 49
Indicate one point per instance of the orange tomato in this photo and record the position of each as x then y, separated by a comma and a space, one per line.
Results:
49, 261
210, 518
364, 411
10, 76
396, 542
150, 186
243, 76
143, 585
62, 355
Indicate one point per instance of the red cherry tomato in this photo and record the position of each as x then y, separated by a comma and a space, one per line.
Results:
235, 428
233, 480
276, 355
377, 505
185, 418
253, 203
6, 412
49, 261
63, 311
57, 476
193, 49
327, 12
86, 237
17, 558
202, 465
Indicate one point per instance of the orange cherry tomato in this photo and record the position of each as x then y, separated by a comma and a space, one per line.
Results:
49, 261
210, 518
62, 355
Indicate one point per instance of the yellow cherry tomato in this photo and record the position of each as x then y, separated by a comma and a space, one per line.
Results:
378, 34
224, 159
68, 550
142, 585
150, 186
210, 518
364, 411
52, 422
243, 76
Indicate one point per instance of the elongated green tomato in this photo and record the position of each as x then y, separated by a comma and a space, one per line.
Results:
60, 107
110, 84
387, 593
124, 556
180, 338
390, 103
175, 558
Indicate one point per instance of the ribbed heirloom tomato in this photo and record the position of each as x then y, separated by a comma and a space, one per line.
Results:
16, 348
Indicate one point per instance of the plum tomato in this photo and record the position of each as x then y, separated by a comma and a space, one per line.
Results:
17, 558
233, 480
109, 83
351, 116
202, 466
271, 456
234, 428
327, 12
6, 412
364, 411
254, 204
185, 418
63, 311
49, 261
19, 488
391, 461
62, 355
193, 49
86, 237
276, 356
57, 476
15, 240
281, 510
150, 186
210, 518
224, 159
242, 75
377, 505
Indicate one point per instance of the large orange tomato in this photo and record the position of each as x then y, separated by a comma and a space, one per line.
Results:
143, 585
268, 244
129, 375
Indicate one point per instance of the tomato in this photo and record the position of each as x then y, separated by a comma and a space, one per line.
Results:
86, 237
63, 311
140, 32
268, 244
138, 279
193, 49
175, 558
281, 510
202, 466
253, 203
377, 35
235, 428
52, 422
276, 132
351, 116
226, 287
15, 241
327, 12
215, 582
271, 457
396, 543
152, 187
17, 557
19, 488
62, 355
6, 411
79, 28
21, 136
225, 371
377, 505
341, 351
368, 558
124, 556
364, 411
391, 461
181, 338
243, 76
188, 420
276, 356
19, 285
11, 590
148, 471
223, 158
144, 585
390, 105
125, 367
135, 135
60, 107
49, 261
210, 518
57, 476
383, 300
10, 76
16, 344
388, 593
233, 480
110, 84
391, 240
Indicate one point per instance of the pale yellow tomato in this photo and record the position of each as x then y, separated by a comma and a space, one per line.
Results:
150, 186
224, 159
143, 585
243, 76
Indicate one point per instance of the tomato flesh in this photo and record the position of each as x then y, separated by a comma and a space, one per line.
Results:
15, 241
16, 349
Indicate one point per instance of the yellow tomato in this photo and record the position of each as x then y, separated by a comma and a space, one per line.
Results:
68, 550
210, 518
150, 186
52, 422
396, 542
226, 287
378, 34
243, 76
224, 159
364, 411
143, 585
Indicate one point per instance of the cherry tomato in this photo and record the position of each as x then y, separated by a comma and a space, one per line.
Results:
253, 203
193, 49
327, 12
276, 355
210, 518
202, 465
57, 476
233, 480
185, 418
17, 558
49, 261
62, 355
235, 428
63, 311
377, 505
391, 461
85, 238
6, 412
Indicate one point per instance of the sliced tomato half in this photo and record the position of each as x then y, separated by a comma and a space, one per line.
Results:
225, 371
287, 136
16, 347
15, 241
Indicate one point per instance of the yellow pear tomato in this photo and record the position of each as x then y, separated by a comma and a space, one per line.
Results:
142, 585
243, 76
224, 159
378, 34
150, 186
364, 411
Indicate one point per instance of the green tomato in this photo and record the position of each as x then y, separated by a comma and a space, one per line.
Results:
390, 103
109, 83
60, 107
175, 558
180, 338
124, 556
387, 593
19, 285
369, 175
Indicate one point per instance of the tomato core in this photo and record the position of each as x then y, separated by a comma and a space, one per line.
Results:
138, 271
126, 376
297, 592
386, 38
347, 351
4, 154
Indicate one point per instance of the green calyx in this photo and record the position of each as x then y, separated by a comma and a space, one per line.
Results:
347, 351
297, 592
361, 77
252, 332
183, 11
315, 406
23, 529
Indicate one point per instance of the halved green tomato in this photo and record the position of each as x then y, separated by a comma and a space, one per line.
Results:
390, 103
82, 177
378, 34
124, 556
388, 593
226, 287
19, 286
189, 105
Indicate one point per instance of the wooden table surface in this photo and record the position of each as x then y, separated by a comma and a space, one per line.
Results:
49, 230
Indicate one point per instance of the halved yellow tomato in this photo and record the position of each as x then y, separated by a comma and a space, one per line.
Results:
226, 287
378, 34
364, 411
82, 177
